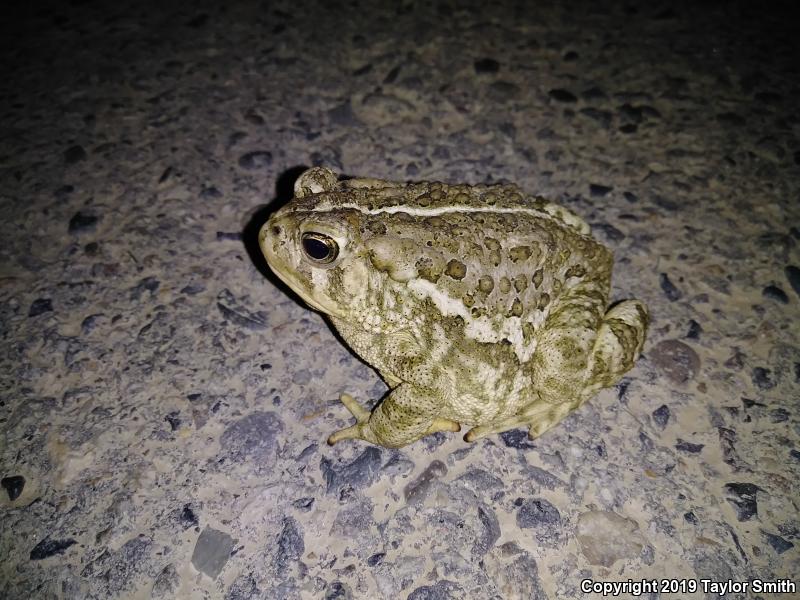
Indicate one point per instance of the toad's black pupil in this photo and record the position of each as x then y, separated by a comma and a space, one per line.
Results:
316, 249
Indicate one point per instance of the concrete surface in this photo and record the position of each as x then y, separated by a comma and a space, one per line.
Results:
164, 403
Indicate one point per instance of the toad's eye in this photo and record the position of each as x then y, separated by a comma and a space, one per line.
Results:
320, 248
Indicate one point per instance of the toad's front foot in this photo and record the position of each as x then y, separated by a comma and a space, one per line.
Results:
354, 432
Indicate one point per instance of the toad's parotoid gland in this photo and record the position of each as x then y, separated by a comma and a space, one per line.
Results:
479, 305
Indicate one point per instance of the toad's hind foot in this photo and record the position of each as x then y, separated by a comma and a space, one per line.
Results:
362, 430
538, 416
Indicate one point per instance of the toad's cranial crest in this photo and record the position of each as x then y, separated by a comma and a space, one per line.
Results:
479, 305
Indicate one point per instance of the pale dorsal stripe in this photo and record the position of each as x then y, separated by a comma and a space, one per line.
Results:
423, 211
567, 217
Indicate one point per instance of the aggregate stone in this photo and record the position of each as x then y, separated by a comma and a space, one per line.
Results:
537, 512
514, 572
517, 438
40, 306
679, 362
441, 590
773, 292
606, 537
661, 416
486, 65
82, 222
793, 277
417, 489
762, 378
74, 154
290, 542
361, 472
13, 485
252, 438
670, 291
779, 544
49, 547
166, 584
688, 447
258, 159
562, 95
212, 551
744, 498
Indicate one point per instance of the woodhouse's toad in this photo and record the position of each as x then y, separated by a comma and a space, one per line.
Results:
477, 304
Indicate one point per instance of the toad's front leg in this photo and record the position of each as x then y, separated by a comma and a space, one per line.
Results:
405, 415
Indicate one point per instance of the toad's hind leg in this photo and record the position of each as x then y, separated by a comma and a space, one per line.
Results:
404, 416
574, 360
618, 344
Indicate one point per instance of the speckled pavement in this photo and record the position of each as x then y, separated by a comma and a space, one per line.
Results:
164, 401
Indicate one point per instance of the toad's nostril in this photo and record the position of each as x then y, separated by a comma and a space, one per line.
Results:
276, 230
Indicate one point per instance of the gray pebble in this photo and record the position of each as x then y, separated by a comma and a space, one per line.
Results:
49, 547
611, 232
259, 159
82, 222
779, 544
727, 443
212, 551
661, 416
601, 116
233, 310
669, 288
598, 191
343, 115
486, 65
743, 497
491, 531
166, 583
376, 559
252, 438
694, 330
688, 447
148, 284
304, 504
338, 591
417, 489
517, 438
536, 512
74, 154
676, 360
361, 472
441, 590
13, 485
762, 378
290, 543
188, 518
561, 95
40, 306
773, 292
778, 415
398, 465
793, 276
